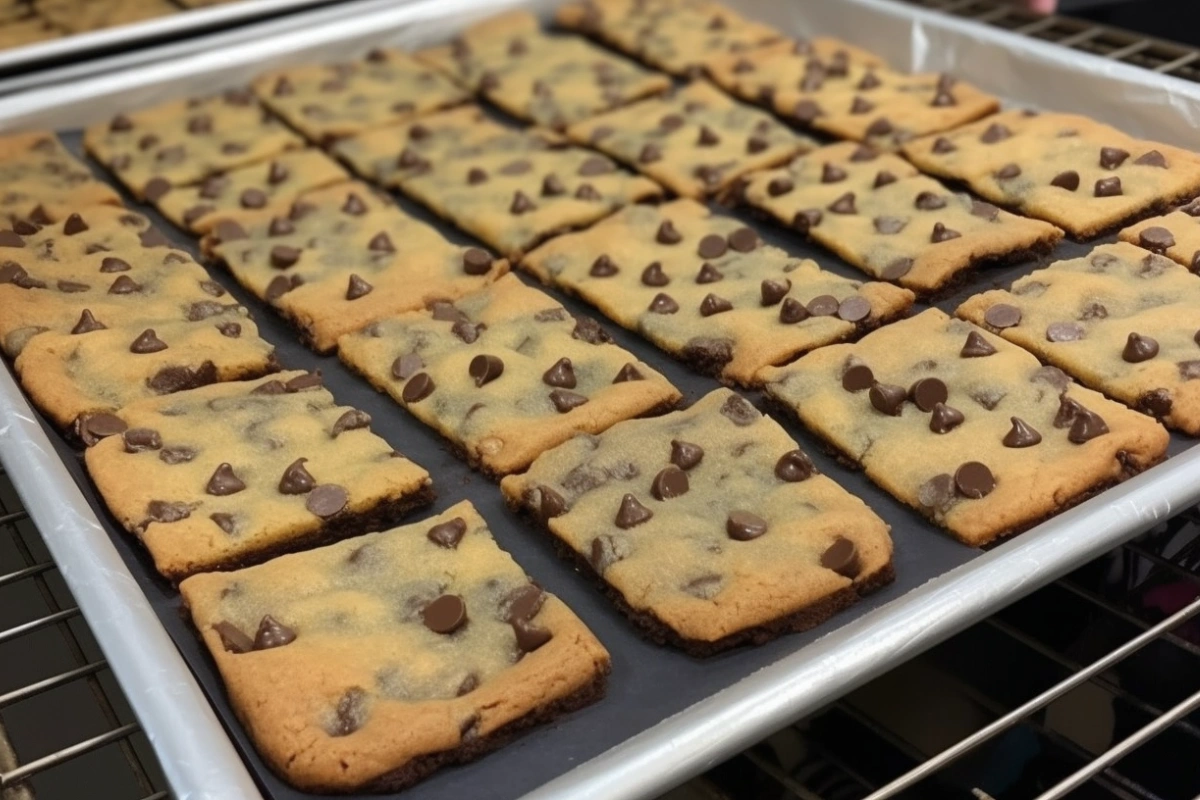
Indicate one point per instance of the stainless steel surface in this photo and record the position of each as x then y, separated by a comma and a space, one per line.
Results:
720, 725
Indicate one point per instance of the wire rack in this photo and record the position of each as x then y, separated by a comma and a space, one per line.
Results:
1078, 677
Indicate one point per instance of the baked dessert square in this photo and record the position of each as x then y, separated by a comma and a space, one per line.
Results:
676, 36
878, 213
548, 79
328, 101
848, 96
968, 429
695, 141
51, 289
1175, 235
368, 664
708, 527
185, 141
505, 373
44, 182
270, 185
81, 16
234, 473
1120, 320
1084, 176
344, 256
708, 290
512, 189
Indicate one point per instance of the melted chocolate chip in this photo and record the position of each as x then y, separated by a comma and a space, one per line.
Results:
448, 534
1002, 315
739, 411
608, 550
743, 526
794, 466
349, 421
974, 480
446, 614
327, 500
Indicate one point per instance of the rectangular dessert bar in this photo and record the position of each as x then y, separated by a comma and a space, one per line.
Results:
676, 36
1084, 176
1175, 235
328, 101
848, 96
548, 79
696, 141
185, 141
43, 182
1119, 319
234, 473
343, 257
512, 189
877, 212
708, 527
706, 289
505, 373
968, 429
368, 664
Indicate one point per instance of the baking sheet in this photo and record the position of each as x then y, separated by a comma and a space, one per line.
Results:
666, 716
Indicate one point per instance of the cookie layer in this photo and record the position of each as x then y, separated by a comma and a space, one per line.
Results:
708, 526
968, 429
1175, 235
505, 374
43, 182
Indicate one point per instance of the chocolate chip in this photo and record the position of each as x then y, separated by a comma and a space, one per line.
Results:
1190, 370
91, 428
774, 290
708, 274
1108, 187
663, 304
653, 275
650, 153
887, 398
889, 226
944, 418
929, 201
708, 137
1152, 158
927, 393
832, 173
163, 511
11, 239
124, 285
565, 400
976, 346
603, 267
448, 534
176, 455
1156, 239
984, 210
861, 105
779, 186
943, 145
284, 256
1002, 315
685, 455
419, 387
995, 133
74, 225
854, 308
1157, 403
937, 492
743, 526
552, 186
476, 261
1112, 157
351, 713
1085, 426
521, 203
139, 440
942, 234
327, 500
608, 550
671, 122
803, 221
232, 638
794, 466
824, 305
272, 633
354, 205
596, 165
1068, 180
562, 374
147, 342
896, 269
381, 243
974, 480
296, 479
739, 411
87, 323
805, 111
844, 204
485, 369
349, 421
743, 240
1139, 348
1008, 172
858, 377
281, 285
1021, 434
446, 614
224, 481
880, 127
253, 198
588, 330
792, 311
756, 144
631, 513
628, 373
476, 176
712, 246
668, 483
550, 503
357, 287
1064, 332
667, 234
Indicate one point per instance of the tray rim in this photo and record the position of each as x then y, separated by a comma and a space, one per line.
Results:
660, 756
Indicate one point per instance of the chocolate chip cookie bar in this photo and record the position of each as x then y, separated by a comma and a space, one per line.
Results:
708, 527
675, 36
847, 96
271, 185
968, 429
881, 215
695, 141
343, 257
80, 16
185, 141
43, 182
706, 289
551, 80
234, 473
328, 101
1120, 320
1175, 235
512, 189
505, 374
1081, 175
368, 664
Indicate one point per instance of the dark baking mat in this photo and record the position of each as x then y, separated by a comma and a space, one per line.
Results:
648, 683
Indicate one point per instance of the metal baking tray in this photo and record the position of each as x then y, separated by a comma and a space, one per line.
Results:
666, 716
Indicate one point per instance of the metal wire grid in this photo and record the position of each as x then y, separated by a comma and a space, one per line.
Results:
1159, 55
64, 724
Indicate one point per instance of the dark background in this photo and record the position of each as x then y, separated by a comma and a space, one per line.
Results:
1167, 19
